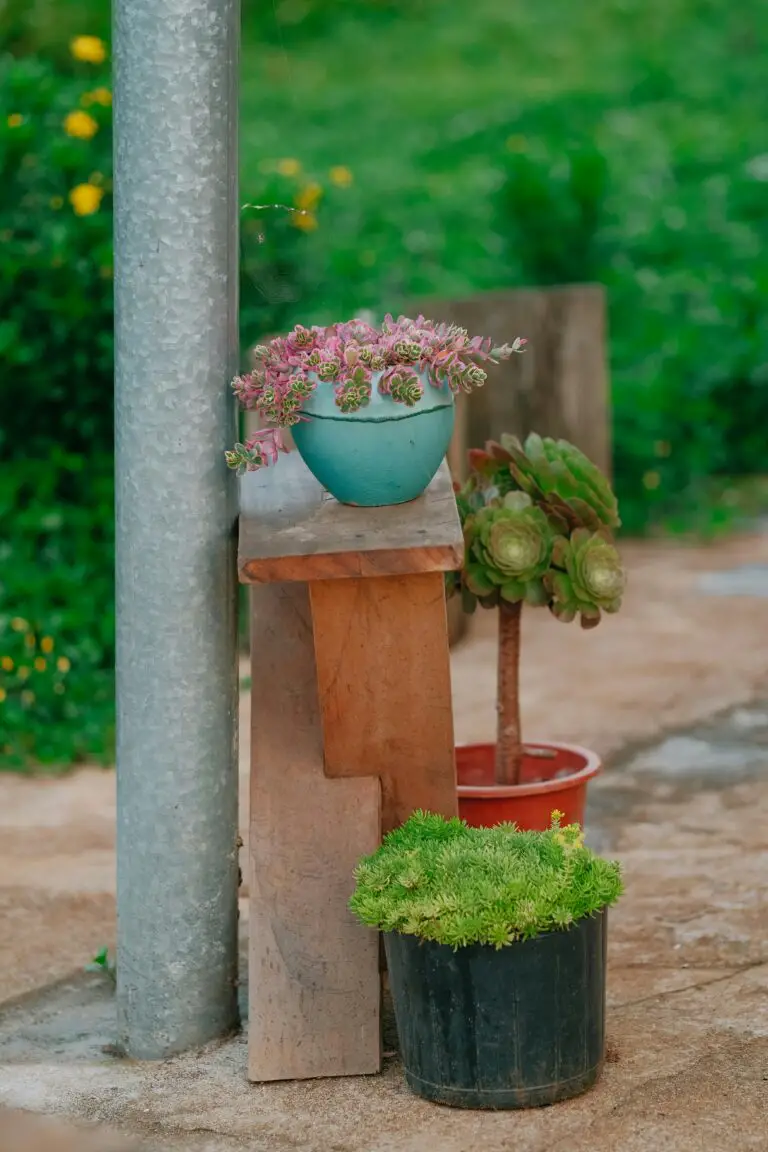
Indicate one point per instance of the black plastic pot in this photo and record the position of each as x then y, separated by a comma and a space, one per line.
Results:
515, 1027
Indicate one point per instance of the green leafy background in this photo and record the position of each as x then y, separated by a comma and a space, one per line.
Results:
454, 152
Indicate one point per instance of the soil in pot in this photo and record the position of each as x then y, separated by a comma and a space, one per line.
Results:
514, 1027
553, 776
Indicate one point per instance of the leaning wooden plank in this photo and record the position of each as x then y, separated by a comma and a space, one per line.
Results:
384, 680
290, 529
314, 990
560, 387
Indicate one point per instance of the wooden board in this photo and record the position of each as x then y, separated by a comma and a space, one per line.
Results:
314, 989
559, 387
384, 683
290, 529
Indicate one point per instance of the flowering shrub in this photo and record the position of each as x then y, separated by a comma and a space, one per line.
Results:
56, 611
56, 250
353, 358
56, 596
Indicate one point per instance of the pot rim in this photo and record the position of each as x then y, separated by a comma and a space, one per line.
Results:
592, 765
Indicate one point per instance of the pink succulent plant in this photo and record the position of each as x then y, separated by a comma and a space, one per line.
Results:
355, 357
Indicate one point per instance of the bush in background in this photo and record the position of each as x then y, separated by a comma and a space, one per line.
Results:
56, 534
56, 611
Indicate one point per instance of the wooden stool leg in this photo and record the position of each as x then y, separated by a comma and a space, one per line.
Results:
314, 971
384, 683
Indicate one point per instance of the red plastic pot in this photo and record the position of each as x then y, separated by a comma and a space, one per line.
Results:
547, 782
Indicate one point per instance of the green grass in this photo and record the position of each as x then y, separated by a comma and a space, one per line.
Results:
442, 880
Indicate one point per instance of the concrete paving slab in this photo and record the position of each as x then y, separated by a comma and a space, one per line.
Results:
687, 1067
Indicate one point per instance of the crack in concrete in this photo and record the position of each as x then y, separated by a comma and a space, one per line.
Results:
733, 972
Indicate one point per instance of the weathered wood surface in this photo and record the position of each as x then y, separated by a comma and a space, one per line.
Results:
314, 989
384, 683
290, 529
560, 386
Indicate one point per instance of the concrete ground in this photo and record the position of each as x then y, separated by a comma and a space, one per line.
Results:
674, 693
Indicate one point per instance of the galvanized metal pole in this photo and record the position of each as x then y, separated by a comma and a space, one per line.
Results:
176, 213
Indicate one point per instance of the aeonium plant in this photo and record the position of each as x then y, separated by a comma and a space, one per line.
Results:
354, 358
538, 523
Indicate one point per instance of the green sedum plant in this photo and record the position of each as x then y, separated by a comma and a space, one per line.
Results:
442, 880
537, 520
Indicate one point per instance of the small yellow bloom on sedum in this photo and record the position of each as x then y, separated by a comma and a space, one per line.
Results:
3, 694
46, 644
80, 125
6, 664
40, 664
85, 199
288, 167
15, 120
27, 698
340, 176
19, 624
63, 664
89, 49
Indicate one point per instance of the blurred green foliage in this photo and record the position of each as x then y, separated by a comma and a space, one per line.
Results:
435, 152
56, 611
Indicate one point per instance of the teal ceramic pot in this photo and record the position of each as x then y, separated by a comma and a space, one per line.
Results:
382, 454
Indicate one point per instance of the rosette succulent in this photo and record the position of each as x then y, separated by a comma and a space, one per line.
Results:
508, 550
558, 477
354, 358
537, 522
586, 578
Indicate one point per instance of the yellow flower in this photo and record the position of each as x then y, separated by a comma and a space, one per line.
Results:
101, 96
340, 176
6, 664
3, 694
40, 664
85, 199
46, 644
63, 664
15, 120
27, 697
288, 167
88, 48
309, 196
29, 640
57, 202
80, 125
23, 672
19, 624
651, 480
306, 221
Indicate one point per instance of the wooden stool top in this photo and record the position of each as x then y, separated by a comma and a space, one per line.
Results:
290, 529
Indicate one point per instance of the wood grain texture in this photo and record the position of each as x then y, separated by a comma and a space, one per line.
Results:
290, 529
314, 995
383, 672
560, 386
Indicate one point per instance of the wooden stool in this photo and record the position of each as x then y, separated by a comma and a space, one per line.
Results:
352, 730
